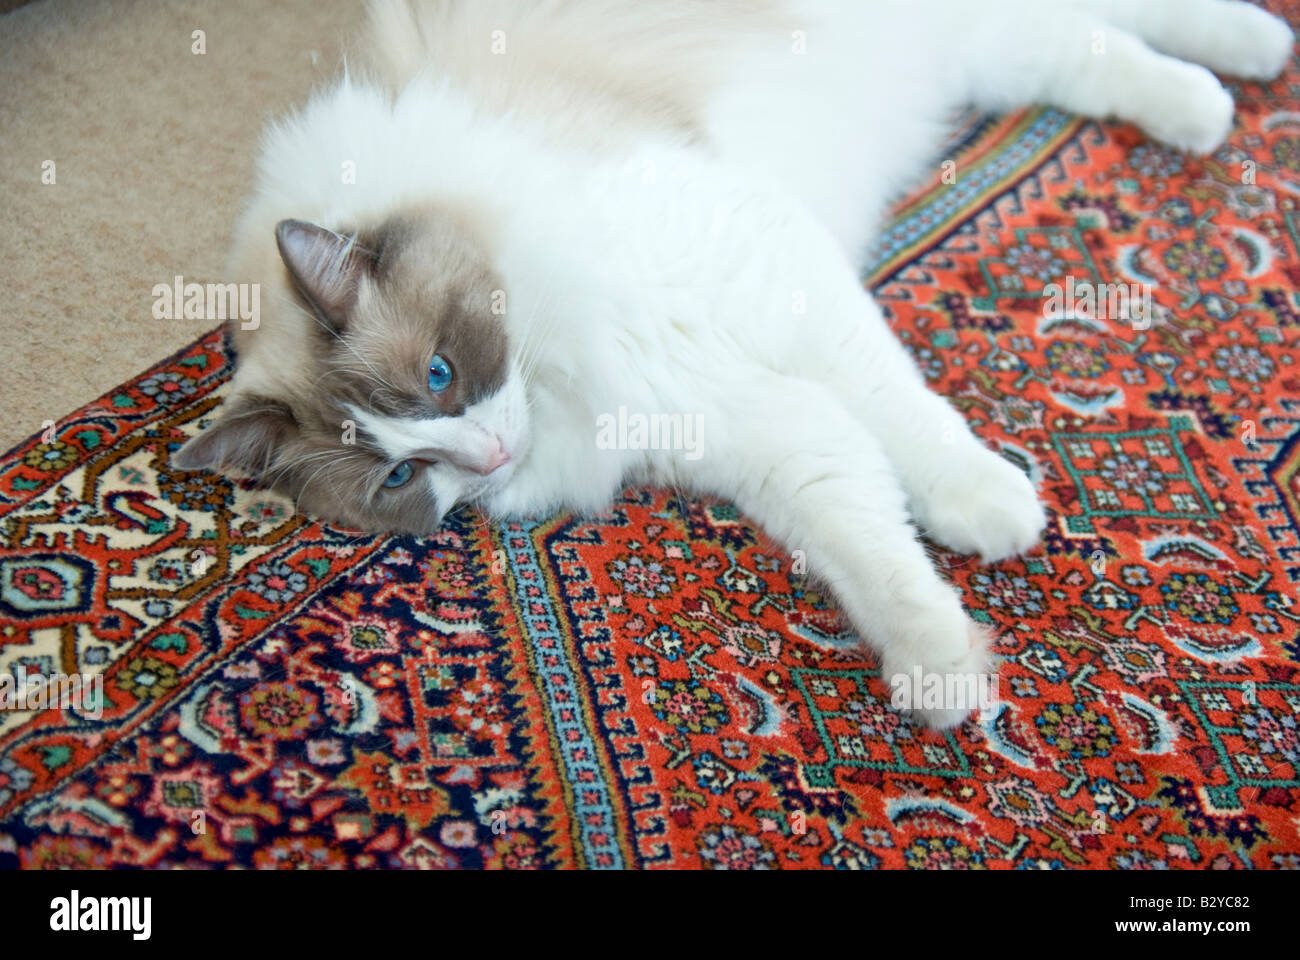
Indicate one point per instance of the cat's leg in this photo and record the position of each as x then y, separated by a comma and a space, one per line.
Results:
960, 492
1228, 36
803, 467
1066, 55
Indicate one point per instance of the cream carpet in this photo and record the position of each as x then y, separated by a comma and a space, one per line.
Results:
152, 146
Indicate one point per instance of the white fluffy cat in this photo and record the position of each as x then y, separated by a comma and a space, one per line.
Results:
535, 214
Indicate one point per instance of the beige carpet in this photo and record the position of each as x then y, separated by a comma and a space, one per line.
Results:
152, 147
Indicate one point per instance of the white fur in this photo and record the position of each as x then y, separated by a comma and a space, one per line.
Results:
460, 453
648, 269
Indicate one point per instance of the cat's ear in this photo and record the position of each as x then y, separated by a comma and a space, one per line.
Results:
325, 267
246, 437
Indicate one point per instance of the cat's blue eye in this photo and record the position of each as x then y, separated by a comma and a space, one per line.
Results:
401, 474
439, 374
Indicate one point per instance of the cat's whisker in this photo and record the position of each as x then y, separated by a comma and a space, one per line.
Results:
535, 334
297, 463
298, 499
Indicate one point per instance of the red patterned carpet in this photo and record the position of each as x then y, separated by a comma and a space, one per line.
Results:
656, 689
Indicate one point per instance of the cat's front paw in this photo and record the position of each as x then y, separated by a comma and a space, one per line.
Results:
984, 505
1185, 106
939, 689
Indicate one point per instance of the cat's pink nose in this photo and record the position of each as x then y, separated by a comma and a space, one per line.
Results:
494, 461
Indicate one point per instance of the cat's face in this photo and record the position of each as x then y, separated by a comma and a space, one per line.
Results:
398, 400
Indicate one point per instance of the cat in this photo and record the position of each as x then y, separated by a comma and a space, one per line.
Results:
531, 216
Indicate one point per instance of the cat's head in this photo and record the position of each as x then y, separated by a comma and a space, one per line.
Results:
392, 395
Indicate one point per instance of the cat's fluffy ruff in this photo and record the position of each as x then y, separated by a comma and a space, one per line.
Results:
684, 241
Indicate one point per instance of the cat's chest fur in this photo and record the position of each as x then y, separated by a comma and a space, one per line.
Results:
669, 280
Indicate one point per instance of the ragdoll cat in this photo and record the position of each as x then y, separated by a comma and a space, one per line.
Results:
535, 215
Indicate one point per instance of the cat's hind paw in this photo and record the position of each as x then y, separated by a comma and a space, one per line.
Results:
1251, 43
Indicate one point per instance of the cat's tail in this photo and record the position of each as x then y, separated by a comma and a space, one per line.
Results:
647, 49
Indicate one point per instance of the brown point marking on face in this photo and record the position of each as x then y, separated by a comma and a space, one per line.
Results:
379, 310
431, 294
